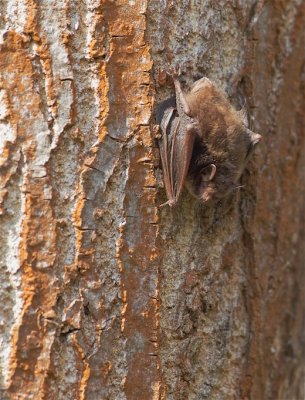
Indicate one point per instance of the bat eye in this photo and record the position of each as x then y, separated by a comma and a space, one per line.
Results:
208, 172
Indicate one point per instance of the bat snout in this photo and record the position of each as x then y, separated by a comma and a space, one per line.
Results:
256, 138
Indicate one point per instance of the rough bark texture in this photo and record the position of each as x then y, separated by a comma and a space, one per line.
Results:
103, 295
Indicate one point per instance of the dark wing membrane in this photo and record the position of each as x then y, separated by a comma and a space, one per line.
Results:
183, 141
166, 146
176, 147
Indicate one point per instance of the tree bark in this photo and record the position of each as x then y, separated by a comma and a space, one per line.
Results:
104, 295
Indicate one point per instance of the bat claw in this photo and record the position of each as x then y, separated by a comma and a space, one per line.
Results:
170, 203
161, 77
174, 72
171, 72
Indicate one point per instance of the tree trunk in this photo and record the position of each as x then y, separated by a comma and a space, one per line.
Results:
104, 295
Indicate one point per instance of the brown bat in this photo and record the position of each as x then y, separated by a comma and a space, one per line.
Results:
205, 142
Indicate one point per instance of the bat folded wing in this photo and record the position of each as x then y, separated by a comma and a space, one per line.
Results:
176, 146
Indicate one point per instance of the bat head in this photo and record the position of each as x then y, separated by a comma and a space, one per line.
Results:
215, 169
223, 145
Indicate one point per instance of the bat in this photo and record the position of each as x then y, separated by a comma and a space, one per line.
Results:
205, 143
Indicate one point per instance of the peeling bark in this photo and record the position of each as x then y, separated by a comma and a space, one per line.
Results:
104, 295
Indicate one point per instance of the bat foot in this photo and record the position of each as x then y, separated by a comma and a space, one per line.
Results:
174, 72
171, 72
161, 77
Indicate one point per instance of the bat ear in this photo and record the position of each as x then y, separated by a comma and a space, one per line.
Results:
201, 84
208, 172
243, 115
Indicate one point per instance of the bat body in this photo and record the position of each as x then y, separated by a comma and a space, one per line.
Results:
204, 143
